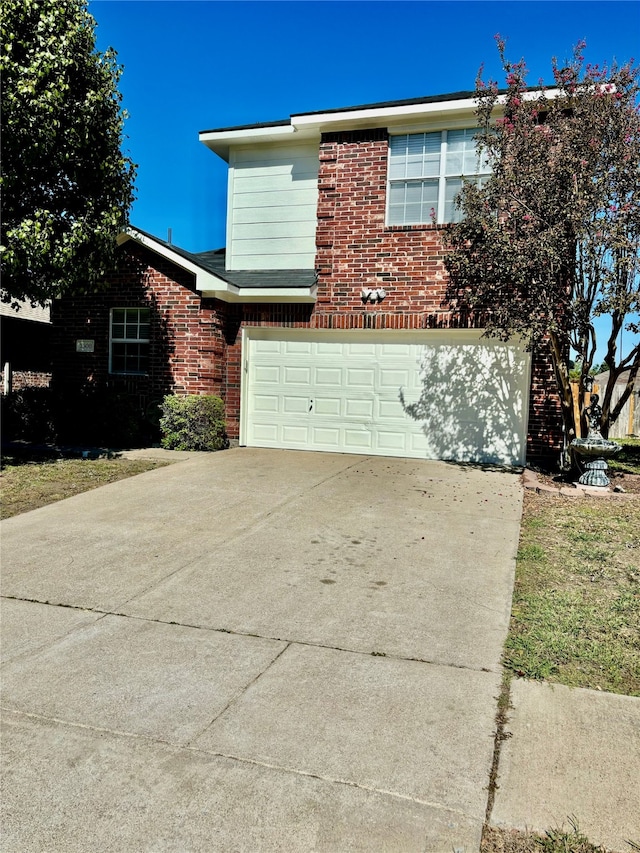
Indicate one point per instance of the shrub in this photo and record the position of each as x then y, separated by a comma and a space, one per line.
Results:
96, 414
193, 423
27, 415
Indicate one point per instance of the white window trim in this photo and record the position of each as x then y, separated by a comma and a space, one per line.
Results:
113, 340
441, 177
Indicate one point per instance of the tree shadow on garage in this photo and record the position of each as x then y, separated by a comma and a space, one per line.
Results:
472, 403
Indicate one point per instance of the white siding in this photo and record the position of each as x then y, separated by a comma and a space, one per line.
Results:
26, 311
273, 197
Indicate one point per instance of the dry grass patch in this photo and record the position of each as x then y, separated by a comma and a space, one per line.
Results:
554, 841
28, 485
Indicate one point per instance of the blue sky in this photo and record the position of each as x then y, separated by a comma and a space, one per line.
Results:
192, 65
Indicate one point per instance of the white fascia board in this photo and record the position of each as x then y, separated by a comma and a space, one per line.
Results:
204, 280
161, 249
24, 310
535, 95
263, 294
310, 126
407, 114
383, 116
221, 141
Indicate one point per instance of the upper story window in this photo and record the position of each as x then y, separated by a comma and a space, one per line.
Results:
426, 172
129, 340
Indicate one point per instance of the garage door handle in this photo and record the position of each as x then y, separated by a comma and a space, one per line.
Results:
310, 405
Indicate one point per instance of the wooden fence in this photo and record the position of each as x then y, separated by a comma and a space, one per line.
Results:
628, 422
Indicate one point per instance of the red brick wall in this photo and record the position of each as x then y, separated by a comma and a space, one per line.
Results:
545, 432
187, 351
356, 250
21, 379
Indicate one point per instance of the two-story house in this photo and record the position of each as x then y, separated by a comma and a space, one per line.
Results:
323, 324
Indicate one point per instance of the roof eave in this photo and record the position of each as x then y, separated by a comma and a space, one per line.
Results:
394, 115
311, 125
384, 116
220, 141
273, 295
204, 280
210, 286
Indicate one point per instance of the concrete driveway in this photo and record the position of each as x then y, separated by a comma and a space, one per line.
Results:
254, 651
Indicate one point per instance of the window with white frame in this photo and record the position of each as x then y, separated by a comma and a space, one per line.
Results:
129, 341
427, 171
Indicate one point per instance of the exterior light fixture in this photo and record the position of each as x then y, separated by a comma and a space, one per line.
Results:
373, 296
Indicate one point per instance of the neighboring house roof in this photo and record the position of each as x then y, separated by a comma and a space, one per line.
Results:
212, 280
602, 378
26, 311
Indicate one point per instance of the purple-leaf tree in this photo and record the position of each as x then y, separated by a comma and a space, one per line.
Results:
551, 241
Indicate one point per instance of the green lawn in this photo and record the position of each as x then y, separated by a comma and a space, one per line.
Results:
628, 460
576, 604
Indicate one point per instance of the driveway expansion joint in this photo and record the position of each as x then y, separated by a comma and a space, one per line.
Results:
74, 724
56, 604
333, 780
250, 635
234, 699
187, 748
504, 706
307, 644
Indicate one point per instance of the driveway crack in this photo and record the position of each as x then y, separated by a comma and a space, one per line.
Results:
237, 696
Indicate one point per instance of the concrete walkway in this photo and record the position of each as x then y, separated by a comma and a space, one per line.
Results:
572, 753
255, 651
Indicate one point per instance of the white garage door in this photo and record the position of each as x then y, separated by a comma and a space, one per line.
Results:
428, 395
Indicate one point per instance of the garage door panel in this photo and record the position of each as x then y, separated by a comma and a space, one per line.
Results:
396, 351
267, 374
297, 376
357, 440
329, 349
266, 432
359, 408
387, 440
326, 438
418, 445
295, 434
329, 406
394, 379
391, 409
262, 346
359, 377
295, 405
360, 350
441, 395
299, 348
331, 376
267, 403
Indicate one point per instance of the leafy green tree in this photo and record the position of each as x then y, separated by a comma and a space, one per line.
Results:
66, 185
551, 241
